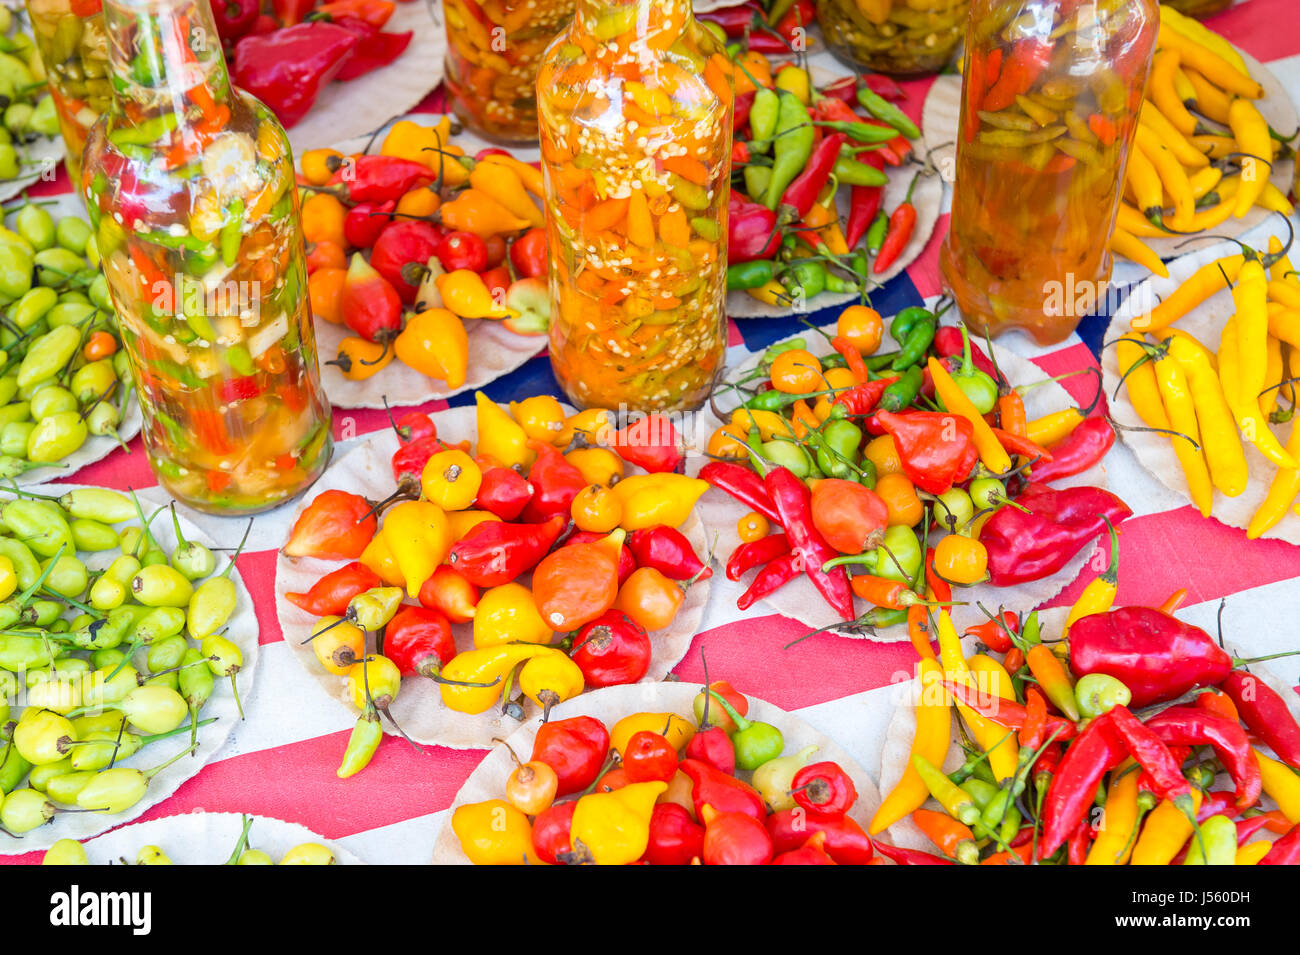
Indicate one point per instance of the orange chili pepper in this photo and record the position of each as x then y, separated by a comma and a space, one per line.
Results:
325, 289
322, 219
475, 211
99, 345
918, 630
1051, 676
954, 839
1174, 600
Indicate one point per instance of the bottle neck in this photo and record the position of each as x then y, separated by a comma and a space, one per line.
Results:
165, 56
643, 19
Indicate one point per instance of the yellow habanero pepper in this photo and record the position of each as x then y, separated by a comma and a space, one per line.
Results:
487, 666
508, 614
500, 437
1165, 832
591, 426
1114, 842
677, 730
650, 499
319, 165
419, 538
475, 211
529, 176
614, 828
378, 556
462, 522
416, 142
502, 183
494, 833
434, 343
541, 417
451, 480
931, 742
465, 294
358, 359
598, 465
992, 453
1214, 417
996, 740
549, 679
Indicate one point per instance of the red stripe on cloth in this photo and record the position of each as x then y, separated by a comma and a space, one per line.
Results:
916, 91
120, 470
257, 570
1082, 388
733, 334
924, 272
1257, 27
1160, 553
297, 783
350, 422
749, 654
57, 186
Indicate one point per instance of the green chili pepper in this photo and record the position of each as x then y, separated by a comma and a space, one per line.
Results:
790, 455
689, 194
903, 392
976, 385
861, 132
876, 232
230, 232
143, 134
763, 115
805, 277
900, 556
756, 181
850, 172
755, 742
706, 228
746, 275
885, 111
838, 448
363, 742
793, 145
915, 344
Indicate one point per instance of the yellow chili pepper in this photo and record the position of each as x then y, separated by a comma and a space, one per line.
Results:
1052, 678
771, 293
1218, 428
1281, 492
1163, 834
1281, 783
1207, 280
1134, 249
996, 740
379, 558
529, 176
465, 294
1114, 842
651, 499
675, 729
435, 343
1172, 138
319, 165
614, 828
1250, 296
1179, 406
500, 437
358, 359
1210, 64
508, 613
419, 538
994, 675
992, 453
475, 211
1053, 428
794, 80
769, 424
1252, 852
1099, 595
486, 665
494, 833
419, 203
1171, 175
549, 679
1204, 180
1140, 382
930, 742
1173, 21
1253, 140
502, 183
1273, 374
602, 466
1284, 292
1134, 222
640, 225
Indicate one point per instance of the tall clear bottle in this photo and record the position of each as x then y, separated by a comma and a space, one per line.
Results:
190, 186
634, 104
1050, 96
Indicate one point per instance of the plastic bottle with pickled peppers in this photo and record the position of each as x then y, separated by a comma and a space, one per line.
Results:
190, 188
493, 51
635, 104
74, 49
903, 37
1050, 95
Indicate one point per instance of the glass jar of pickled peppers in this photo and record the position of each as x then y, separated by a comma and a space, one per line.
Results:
1050, 96
903, 37
1198, 8
493, 51
635, 102
74, 49
190, 187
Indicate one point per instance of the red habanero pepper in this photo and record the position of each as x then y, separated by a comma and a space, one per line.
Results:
336, 525
409, 460
462, 250
650, 443
1009, 713
555, 481
902, 221
551, 831
675, 838
233, 18
802, 192
735, 838
504, 492
1055, 525
1096, 751
810, 853
862, 399
713, 747
626, 562
793, 502
668, 551
375, 48
901, 856
739, 152
649, 758
742, 484
933, 447
752, 232
449, 592
1286, 851
775, 574
413, 426
993, 633
1265, 713
287, 69
495, 552
755, 554
612, 650
724, 792
824, 790
575, 748
330, 595
1157, 656
1189, 726
369, 305
1086, 445
365, 221
1151, 753
528, 254
379, 178
845, 842
399, 254
419, 641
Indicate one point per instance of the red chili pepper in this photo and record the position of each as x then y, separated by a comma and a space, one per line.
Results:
1097, 750
504, 492
528, 254
575, 748
1158, 657
374, 48
909, 856
934, 448
1009, 713
626, 562
287, 69
862, 399
774, 575
901, 223
369, 305
992, 633
794, 503
752, 232
379, 178
824, 789
365, 221
810, 853
734, 20
233, 18
1221, 802
743, 485
555, 482
675, 838
741, 109
1086, 445
401, 251
756, 553
1286, 851
649, 758
450, 593
239, 389
551, 830
1265, 713
1151, 753
1055, 525
413, 426
462, 250
802, 192
1248, 827
1029, 59
330, 595
1189, 726
864, 203
668, 551
612, 650
1076, 847
336, 525
650, 443
724, 792
409, 460
495, 552
845, 842
1033, 731
1021, 445
419, 641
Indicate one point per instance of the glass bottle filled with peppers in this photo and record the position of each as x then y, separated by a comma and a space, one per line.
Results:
190, 187
904, 37
74, 49
635, 105
1050, 95
493, 51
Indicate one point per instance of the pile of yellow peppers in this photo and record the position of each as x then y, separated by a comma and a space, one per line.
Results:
1210, 399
